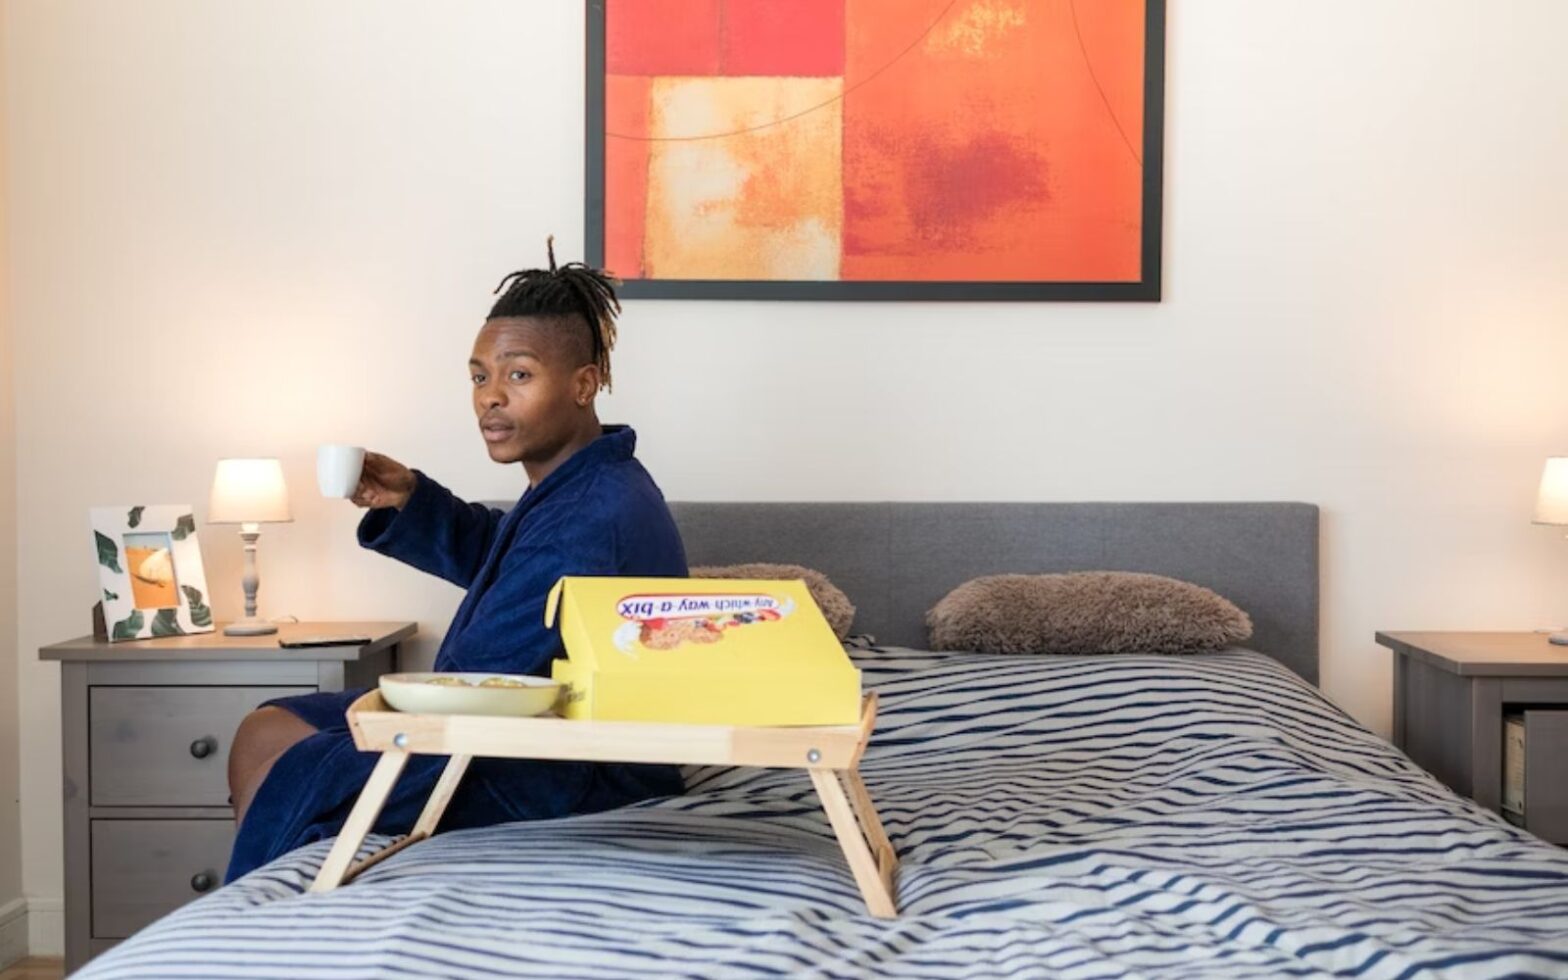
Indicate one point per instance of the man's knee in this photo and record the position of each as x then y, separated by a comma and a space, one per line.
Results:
265, 734
268, 731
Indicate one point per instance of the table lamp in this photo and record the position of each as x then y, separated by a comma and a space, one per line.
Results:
1551, 507
249, 492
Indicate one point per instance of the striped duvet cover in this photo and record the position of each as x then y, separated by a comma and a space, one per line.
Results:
1130, 816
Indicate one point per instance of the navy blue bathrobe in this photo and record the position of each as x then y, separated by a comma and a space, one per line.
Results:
599, 513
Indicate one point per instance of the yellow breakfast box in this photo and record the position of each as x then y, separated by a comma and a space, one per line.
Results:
700, 651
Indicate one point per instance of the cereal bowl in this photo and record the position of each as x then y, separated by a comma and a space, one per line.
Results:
470, 694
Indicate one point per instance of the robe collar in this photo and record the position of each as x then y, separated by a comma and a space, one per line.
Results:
616, 444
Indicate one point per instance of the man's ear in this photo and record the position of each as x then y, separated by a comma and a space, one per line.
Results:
585, 384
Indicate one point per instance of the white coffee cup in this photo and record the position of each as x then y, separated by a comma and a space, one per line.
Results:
337, 469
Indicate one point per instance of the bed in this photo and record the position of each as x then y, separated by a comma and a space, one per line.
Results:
1208, 815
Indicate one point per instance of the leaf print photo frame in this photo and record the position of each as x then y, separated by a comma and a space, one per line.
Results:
150, 572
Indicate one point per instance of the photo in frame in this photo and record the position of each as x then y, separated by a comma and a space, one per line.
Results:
876, 149
150, 571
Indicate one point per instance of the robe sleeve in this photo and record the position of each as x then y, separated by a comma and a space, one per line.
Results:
434, 532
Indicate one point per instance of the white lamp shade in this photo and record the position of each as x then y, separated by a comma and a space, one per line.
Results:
249, 491
1551, 504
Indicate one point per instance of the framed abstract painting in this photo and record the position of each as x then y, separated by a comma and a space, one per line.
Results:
876, 149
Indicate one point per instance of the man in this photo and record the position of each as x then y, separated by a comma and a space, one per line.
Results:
590, 508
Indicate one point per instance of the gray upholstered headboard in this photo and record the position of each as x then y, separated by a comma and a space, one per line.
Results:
895, 560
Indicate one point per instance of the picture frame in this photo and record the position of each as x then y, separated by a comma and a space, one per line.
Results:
827, 150
150, 571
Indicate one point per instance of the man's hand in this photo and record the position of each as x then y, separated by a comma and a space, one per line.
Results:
384, 482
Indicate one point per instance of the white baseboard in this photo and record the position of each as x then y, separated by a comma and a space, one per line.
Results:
13, 931
45, 927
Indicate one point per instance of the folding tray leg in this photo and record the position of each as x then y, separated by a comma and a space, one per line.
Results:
441, 796
335, 869
866, 810
875, 885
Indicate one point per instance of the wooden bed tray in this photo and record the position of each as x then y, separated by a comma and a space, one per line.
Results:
829, 754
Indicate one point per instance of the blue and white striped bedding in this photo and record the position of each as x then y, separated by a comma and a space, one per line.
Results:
1131, 816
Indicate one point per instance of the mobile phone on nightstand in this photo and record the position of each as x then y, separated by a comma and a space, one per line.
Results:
323, 640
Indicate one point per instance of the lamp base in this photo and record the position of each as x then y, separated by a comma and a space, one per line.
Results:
250, 626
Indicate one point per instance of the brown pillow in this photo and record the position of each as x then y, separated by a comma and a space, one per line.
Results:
1084, 612
835, 605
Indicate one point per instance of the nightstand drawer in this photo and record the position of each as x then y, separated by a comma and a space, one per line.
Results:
167, 746
1546, 774
144, 869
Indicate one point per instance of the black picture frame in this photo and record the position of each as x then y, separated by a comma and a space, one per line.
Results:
1147, 289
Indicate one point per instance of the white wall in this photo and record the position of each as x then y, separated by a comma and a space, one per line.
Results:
245, 228
11, 929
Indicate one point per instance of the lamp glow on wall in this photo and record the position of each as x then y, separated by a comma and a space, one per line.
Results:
249, 492
1551, 506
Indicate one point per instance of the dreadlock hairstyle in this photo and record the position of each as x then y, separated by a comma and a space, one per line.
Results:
566, 293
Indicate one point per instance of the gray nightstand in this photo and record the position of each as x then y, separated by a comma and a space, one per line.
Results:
146, 731
1453, 693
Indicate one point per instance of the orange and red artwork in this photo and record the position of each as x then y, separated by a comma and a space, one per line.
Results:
876, 149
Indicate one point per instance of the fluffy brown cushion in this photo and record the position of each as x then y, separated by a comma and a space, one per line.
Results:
835, 605
1084, 612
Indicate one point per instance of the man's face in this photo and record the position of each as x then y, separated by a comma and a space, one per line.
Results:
526, 389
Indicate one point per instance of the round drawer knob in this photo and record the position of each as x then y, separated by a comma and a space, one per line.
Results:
203, 747
203, 881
